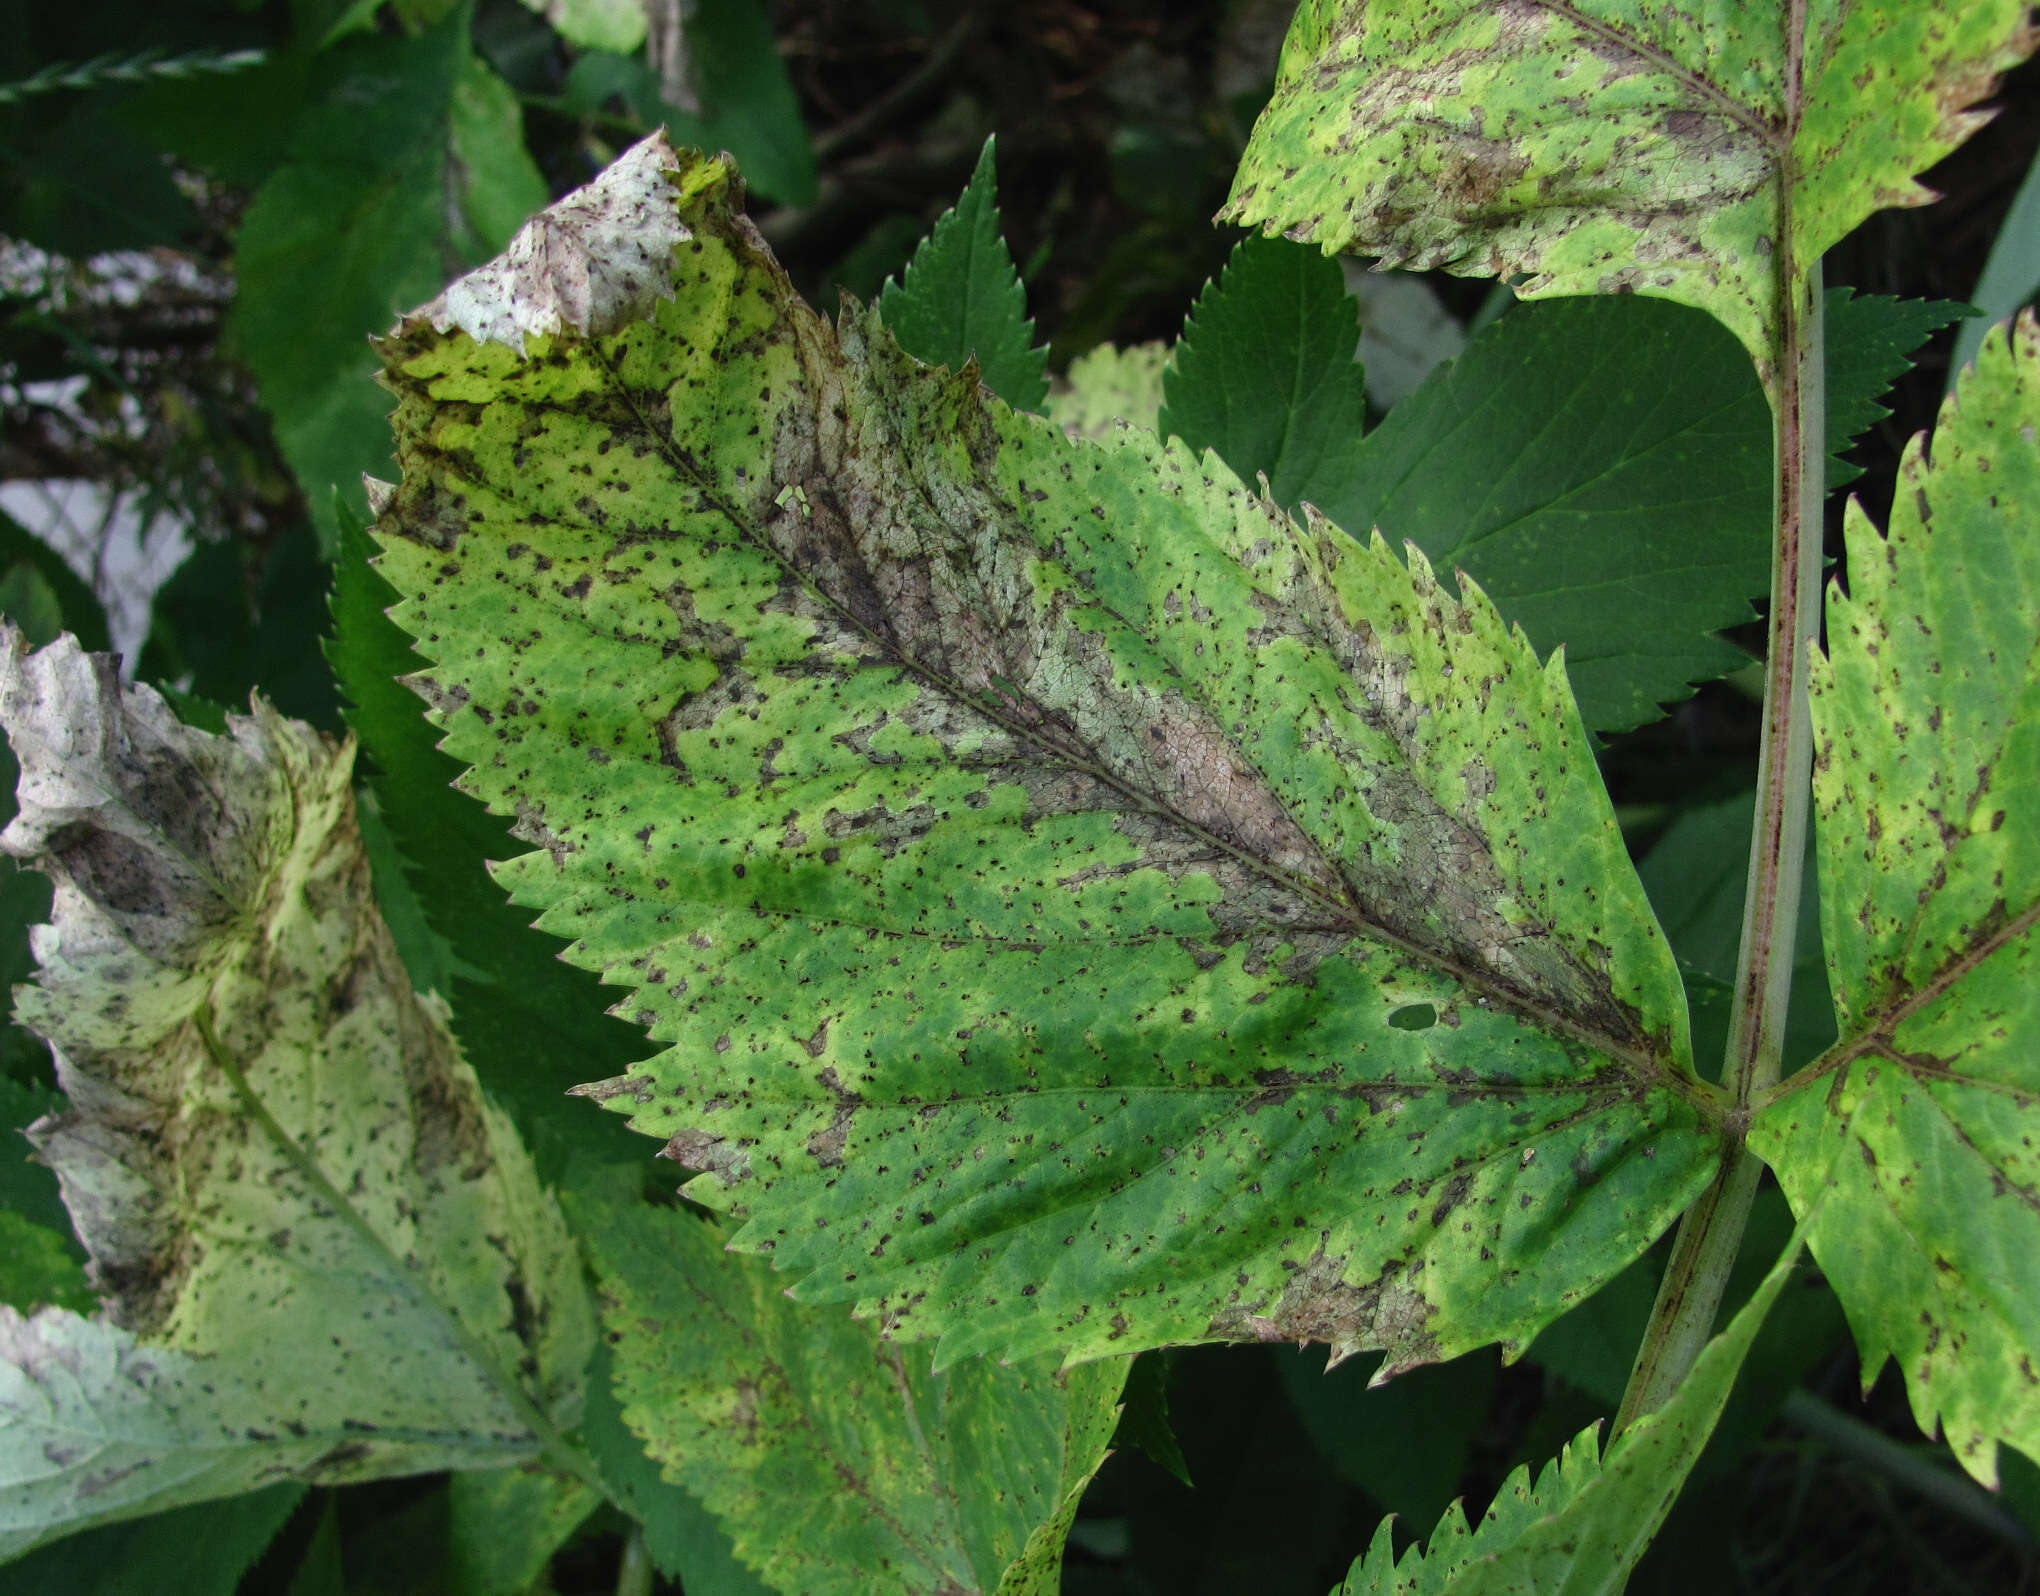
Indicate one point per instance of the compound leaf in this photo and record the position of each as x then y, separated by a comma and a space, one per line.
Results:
837, 1463
961, 297
321, 1253
1915, 1133
1082, 909
1579, 1530
1265, 371
1608, 145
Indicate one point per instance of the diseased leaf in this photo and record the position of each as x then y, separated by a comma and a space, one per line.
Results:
530, 1024
322, 1255
836, 1463
1579, 1530
1605, 145
1914, 1135
961, 297
1082, 909
1265, 372
685, 1540
1107, 385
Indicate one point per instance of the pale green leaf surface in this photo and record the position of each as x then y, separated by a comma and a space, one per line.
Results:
617, 25
835, 1461
1033, 855
503, 1526
1107, 385
686, 1541
262, 1325
1580, 1528
1915, 1133
1265, 372
1609, 145
961, 297
188, 1551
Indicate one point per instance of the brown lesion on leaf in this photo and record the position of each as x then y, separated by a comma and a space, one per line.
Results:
1318, 1304
530, 826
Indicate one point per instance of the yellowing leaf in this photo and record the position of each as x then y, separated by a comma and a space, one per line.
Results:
323, 1256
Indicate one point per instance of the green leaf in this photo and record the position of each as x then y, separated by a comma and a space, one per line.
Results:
1144, 1416
1598, 505
1265, 370
193, 1551
748, 105
837, 1464
266, 1131
1914, 1134
1581, 1528
497, 182
1613, 145
1871, 340
1404, 1443
2011, 276
1108, 385
1696, 877
617, 25
358, 224
960, 298
685, 1540
531, 1025
1033, 855
505, 1525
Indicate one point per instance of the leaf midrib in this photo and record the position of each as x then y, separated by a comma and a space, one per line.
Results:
1646, 1068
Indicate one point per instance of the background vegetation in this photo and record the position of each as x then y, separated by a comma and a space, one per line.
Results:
206, 208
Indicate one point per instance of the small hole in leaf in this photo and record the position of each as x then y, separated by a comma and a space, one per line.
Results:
1414, 1017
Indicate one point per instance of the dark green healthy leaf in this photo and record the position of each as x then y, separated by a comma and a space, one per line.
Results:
215, 962
407, 152
1914, 1135
505, 1524
685, 1540
1696, 877
1144, 1418
961, 297
1265, 371
1611, 145
1083, 910
1580, 1528
2011, 276
836, 1463
1871, 340
192, 1551
1599, 505
531, 1025
1404, 1443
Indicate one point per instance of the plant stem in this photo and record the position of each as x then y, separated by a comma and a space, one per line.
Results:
634, 1572
1709, 1237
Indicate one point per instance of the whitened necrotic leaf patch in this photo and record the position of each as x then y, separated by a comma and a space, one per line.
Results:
322, 1255
1032, 853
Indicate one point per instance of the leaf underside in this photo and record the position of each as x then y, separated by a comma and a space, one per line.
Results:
838, 1464
1915, 1133
1083, 909
259, 1325
1614, 145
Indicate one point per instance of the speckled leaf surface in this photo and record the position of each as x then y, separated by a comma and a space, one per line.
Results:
1082, 909
318, 1250
1580, 1529
1615, 145
1916, 1133
835, 1460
